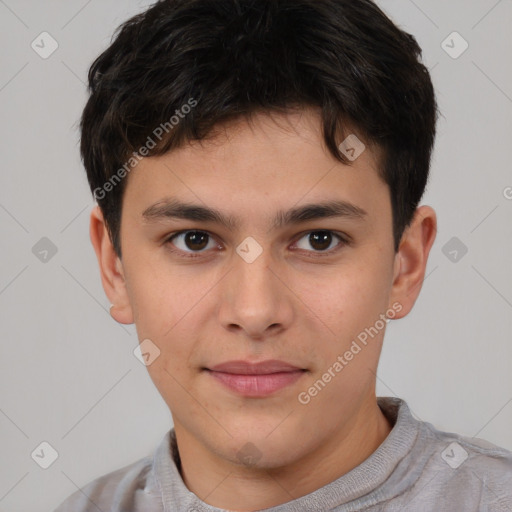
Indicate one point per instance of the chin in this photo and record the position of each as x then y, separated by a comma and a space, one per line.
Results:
254, 450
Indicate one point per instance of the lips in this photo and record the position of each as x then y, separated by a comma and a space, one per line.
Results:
256, 380
262, 368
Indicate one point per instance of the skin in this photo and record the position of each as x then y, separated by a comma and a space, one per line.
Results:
295, 302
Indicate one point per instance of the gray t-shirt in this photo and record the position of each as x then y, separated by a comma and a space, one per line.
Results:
416, 469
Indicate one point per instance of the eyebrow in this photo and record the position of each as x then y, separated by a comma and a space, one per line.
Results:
174, 209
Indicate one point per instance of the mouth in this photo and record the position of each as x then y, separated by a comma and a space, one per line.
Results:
255, 380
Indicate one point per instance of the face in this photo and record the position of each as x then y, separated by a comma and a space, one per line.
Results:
257, 246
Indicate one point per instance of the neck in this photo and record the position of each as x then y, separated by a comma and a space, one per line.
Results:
222, 484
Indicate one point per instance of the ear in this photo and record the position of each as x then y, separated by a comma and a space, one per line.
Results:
111, 269
411, 259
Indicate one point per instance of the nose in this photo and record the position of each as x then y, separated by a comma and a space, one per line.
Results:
254, 299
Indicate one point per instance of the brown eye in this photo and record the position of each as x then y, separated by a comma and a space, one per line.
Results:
320, 241
196, 240
191, 241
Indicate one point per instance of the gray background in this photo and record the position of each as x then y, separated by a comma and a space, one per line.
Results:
68, 374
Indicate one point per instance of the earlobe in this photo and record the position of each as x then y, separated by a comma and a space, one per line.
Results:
111, 269
411, 259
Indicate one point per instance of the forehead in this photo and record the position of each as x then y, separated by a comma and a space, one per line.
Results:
278, 158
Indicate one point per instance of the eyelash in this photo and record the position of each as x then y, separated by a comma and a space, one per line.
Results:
343, 239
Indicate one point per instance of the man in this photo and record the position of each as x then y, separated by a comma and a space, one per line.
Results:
258, 166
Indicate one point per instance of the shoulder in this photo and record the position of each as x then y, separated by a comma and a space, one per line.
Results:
471, 453
112, 490
471, 467
446, 470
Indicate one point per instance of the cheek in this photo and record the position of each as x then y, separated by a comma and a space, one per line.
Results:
174, 370
347, 295
344, 306
168, 306
164, 297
